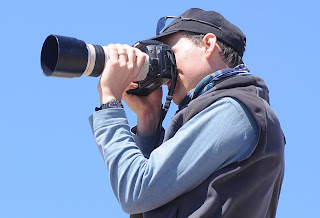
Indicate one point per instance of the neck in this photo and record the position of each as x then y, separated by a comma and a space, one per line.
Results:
217, 63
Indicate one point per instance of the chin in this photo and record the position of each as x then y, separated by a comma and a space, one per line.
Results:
175, 102
176, 99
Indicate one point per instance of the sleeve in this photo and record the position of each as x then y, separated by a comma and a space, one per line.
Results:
147, 143
219, 135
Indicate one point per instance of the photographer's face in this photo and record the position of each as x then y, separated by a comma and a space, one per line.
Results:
190, 63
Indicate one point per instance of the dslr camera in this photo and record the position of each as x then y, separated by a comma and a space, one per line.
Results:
68, 57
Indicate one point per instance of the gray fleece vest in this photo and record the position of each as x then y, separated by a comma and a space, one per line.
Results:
245, 189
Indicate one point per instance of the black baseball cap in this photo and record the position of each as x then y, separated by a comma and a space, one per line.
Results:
199, 21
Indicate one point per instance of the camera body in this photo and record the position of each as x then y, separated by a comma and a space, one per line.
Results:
68, 57
162, 66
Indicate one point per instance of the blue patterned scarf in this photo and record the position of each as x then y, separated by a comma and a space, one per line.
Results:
209, 81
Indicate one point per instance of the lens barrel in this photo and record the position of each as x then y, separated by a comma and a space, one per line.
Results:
68, 57
62, 56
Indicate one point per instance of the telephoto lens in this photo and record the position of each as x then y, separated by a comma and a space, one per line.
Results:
68, 57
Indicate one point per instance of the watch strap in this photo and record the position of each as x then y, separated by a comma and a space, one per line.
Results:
114, 103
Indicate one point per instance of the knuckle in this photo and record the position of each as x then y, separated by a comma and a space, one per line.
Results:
111, 46
130, 66
122, 65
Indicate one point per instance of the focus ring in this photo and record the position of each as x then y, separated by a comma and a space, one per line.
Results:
100, 61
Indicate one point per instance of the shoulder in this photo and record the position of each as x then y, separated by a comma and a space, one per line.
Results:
227, 106
236, 123
226, 128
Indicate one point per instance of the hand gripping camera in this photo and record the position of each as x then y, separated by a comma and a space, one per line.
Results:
69, 57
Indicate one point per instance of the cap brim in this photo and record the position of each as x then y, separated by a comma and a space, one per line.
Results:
163, 35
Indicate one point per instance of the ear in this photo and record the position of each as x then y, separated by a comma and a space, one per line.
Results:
210, 44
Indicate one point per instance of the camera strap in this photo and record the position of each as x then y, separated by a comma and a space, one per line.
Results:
167, 103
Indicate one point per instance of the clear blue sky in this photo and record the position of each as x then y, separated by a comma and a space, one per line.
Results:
49, 163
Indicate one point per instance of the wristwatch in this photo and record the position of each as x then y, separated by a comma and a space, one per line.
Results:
114, 103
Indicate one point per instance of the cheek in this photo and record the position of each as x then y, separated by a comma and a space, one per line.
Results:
188, 60
183, 65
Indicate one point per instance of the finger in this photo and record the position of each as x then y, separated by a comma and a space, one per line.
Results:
122, 53
141, 57
131, 55
112, 51
132, 62
132, 86
130, 99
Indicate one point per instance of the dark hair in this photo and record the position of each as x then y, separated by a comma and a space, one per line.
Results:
228, 54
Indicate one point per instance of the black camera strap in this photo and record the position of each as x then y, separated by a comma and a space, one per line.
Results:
167, 103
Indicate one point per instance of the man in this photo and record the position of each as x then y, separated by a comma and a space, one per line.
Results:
222, 155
